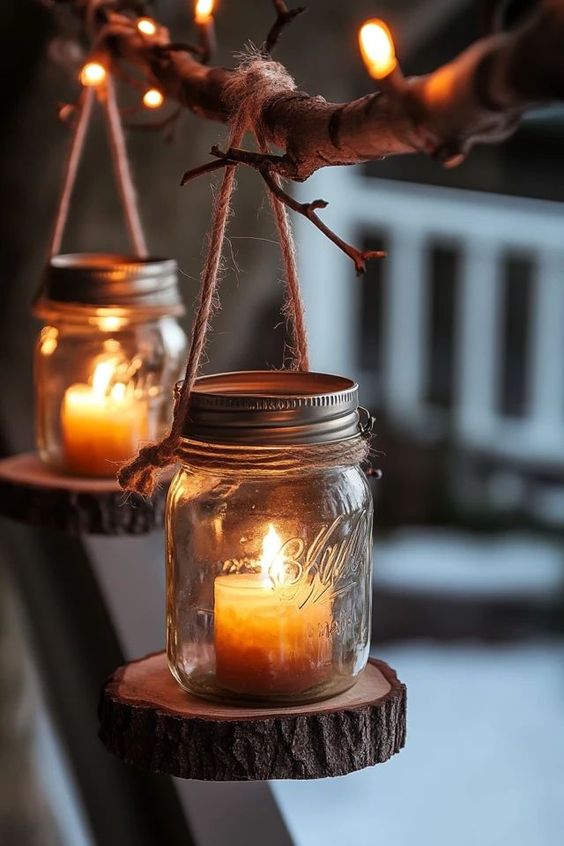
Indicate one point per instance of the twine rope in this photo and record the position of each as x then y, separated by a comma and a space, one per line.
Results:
257, 82
310, 457
122, 170
72, 163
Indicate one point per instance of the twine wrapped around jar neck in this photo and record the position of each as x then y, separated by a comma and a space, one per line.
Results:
243, 461
258, 81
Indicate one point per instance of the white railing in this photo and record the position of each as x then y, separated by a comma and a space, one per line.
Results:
483, 227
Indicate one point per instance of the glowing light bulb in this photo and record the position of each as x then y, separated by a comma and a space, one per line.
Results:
93, 74
377, 49
153, 99
146, 26
204, 11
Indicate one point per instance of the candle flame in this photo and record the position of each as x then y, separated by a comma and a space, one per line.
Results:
377, 48
146, 26
204, 10
102, 376
93, 74
118, 391
271, 562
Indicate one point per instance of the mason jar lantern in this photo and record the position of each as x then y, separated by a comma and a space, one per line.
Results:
269, 553
107, 358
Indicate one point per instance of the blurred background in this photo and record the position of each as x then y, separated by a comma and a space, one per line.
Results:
456, 339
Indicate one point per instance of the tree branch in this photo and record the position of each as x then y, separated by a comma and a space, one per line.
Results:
479, 96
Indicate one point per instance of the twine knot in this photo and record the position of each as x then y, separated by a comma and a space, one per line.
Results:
257, 82
140, 474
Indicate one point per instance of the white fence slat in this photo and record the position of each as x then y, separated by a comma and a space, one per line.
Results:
478, 334
486, 227
405, 323
546, 363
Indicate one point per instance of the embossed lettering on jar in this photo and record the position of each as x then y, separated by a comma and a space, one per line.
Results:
269, 551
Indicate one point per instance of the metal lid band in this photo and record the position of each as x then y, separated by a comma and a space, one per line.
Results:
273, 408
105, 280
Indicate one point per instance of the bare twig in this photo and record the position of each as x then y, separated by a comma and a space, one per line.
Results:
265, 164
210, 167
284, 17
359, 257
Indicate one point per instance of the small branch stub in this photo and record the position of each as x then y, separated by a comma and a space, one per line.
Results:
284, 17
148, 720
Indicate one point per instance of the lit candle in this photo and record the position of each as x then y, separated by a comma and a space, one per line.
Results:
266, 643
102, 423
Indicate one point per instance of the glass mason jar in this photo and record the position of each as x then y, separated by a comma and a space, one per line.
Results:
268, 556
107, 359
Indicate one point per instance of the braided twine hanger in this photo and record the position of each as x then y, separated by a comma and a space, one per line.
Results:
259, 80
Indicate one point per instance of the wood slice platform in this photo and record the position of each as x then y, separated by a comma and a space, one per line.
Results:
148, 720
32, 493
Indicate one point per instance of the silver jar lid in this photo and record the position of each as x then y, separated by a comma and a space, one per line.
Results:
86, 281
273, 408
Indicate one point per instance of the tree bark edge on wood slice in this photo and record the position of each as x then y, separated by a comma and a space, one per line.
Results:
32, 493
147, 720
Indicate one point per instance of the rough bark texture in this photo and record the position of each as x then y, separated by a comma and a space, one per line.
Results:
31, 493
479, 96
146, 719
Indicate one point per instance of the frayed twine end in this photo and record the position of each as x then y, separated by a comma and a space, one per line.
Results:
140, 474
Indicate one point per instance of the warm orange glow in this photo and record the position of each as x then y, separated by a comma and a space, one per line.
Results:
204, 11
153, 99
265, 642
377, 49
93, 74
110, 322
146, 26
48, 340
271, 564
102, 421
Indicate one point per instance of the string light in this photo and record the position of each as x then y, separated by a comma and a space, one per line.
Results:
377, 49
93, 74
153, 98
146, 26
204, 11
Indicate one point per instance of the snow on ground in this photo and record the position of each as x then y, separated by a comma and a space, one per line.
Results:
507, 565
483, 764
